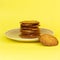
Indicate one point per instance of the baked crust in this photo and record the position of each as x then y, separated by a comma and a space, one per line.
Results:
48, 40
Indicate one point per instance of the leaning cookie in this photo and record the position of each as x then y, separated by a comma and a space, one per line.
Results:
48, 40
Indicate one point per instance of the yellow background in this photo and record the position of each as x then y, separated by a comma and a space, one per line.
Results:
14, 11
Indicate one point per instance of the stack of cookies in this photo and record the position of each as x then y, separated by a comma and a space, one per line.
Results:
29, 29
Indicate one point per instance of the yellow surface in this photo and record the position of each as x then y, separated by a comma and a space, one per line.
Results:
14, 11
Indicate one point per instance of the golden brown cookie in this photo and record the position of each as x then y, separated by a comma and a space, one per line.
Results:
48, 40
29, 23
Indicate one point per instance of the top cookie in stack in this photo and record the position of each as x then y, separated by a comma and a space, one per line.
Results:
30, 29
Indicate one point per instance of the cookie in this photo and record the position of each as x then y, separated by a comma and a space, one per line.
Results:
48, 40
29, 23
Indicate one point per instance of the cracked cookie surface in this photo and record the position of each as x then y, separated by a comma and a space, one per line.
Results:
48, 40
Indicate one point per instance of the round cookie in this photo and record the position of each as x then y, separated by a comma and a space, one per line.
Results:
48, 40
29, 23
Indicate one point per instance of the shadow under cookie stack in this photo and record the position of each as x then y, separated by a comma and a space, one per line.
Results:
29, 29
